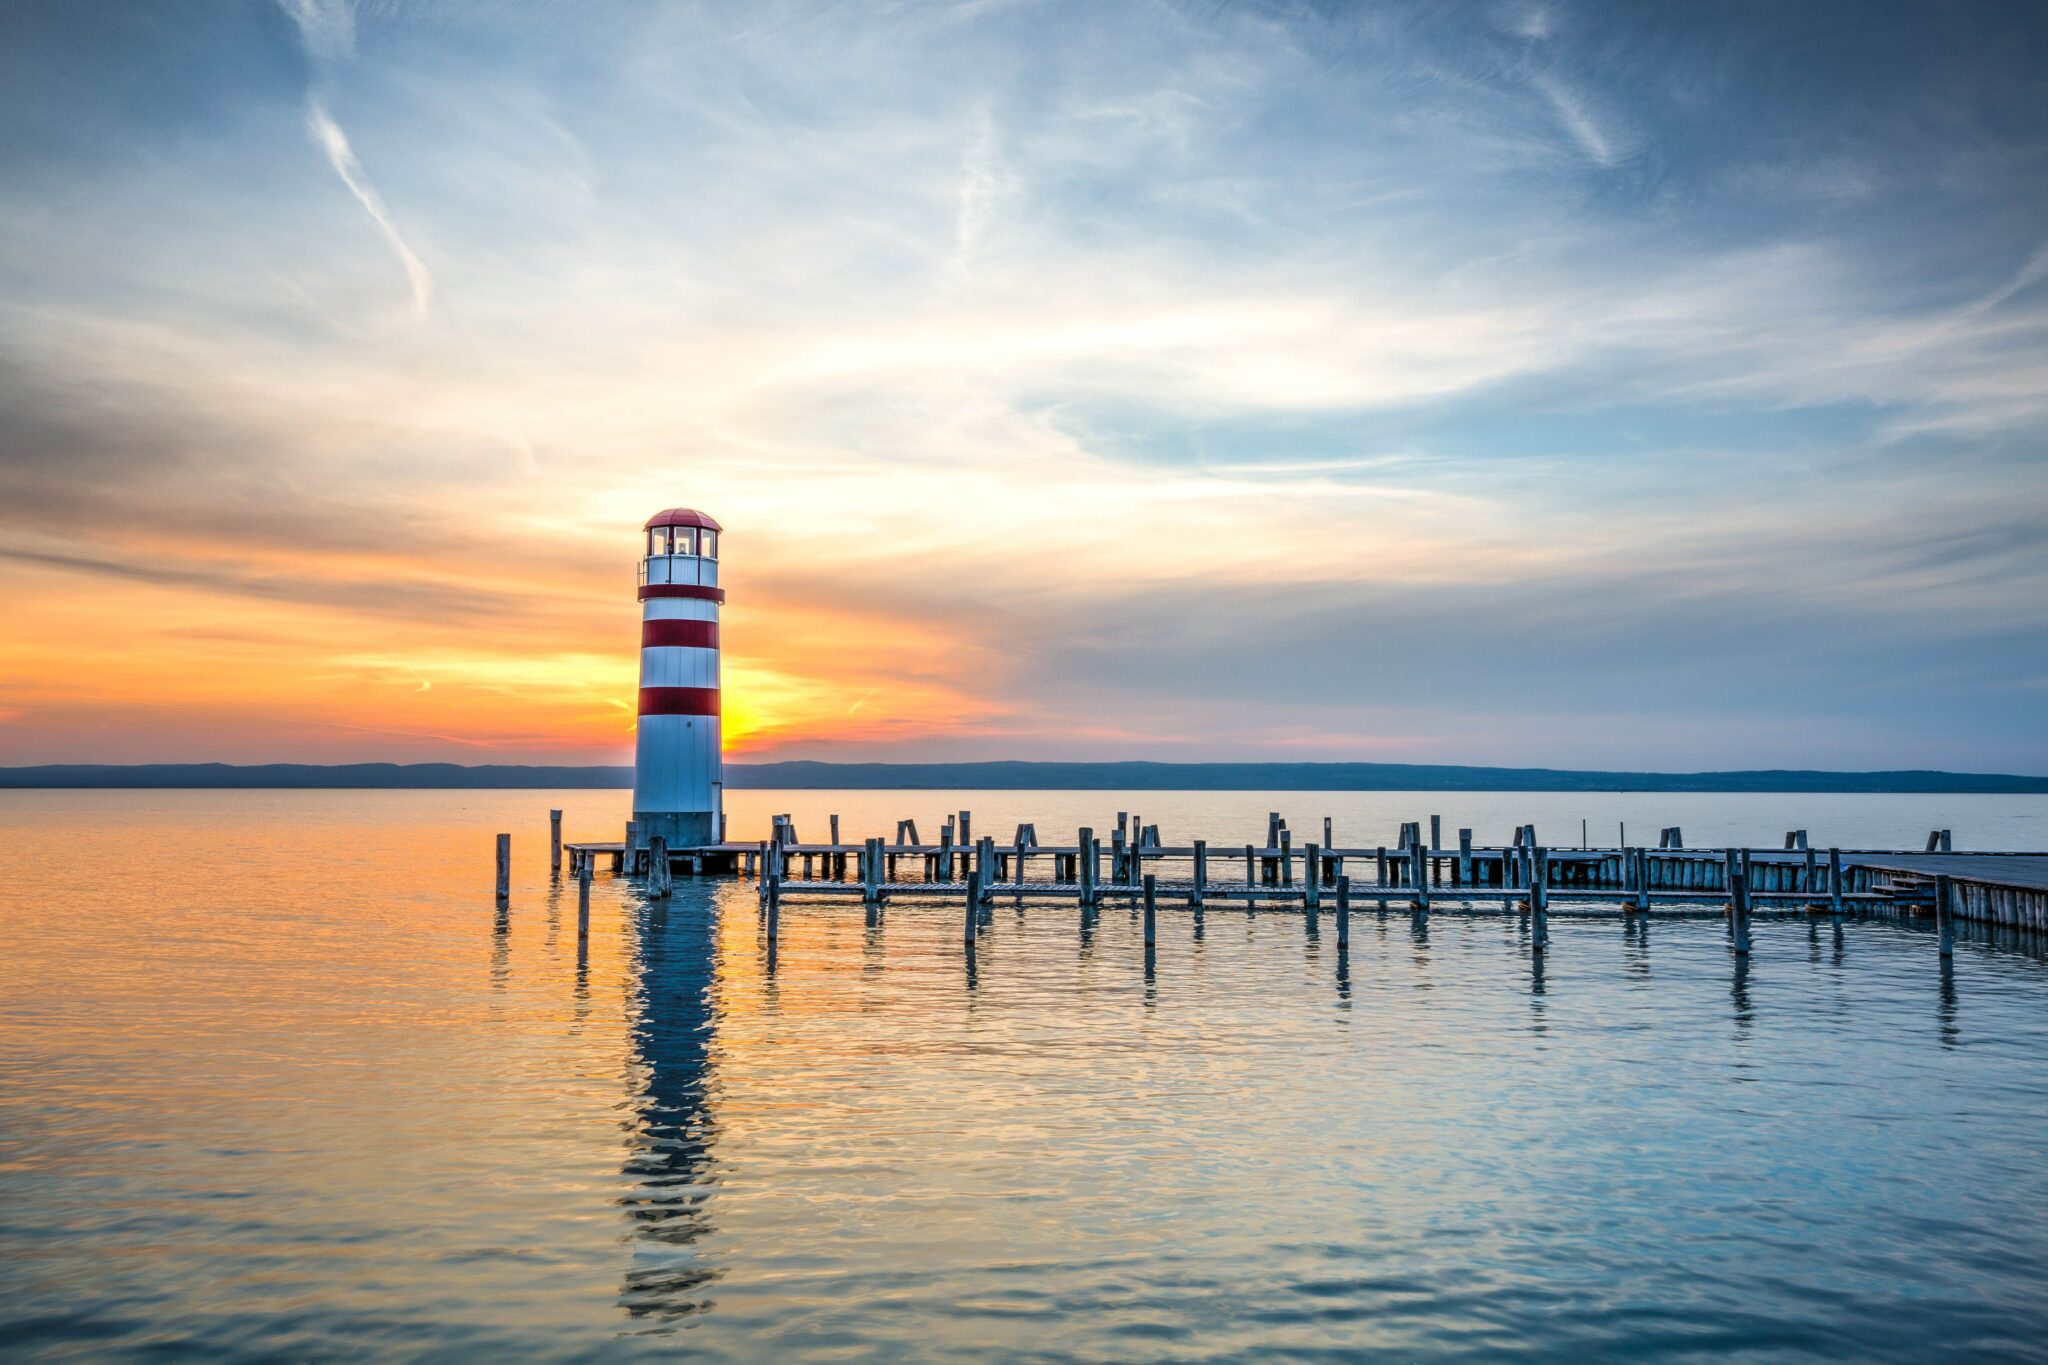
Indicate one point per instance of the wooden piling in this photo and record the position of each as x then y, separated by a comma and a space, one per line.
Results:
1383, 865
1251, 868
1417, 855
1151, 913
774, 889
1944, 913
555, 842
583, 897
1201, 873
1835, 882
971, 918
659, 879
1312, 878
504, 868
1465, 857
1343, 913
1539, 898
1436, 833
1731, 873
1738, 901
1084, 871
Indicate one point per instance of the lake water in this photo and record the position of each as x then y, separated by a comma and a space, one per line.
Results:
277, 1079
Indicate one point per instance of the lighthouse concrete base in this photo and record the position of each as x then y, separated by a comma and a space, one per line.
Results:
682, 829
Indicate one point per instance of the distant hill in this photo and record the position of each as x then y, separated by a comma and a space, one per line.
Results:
1023, 776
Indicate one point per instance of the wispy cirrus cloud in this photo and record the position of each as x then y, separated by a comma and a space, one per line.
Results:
327, 28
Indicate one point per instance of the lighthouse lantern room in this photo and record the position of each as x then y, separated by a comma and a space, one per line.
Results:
678, 770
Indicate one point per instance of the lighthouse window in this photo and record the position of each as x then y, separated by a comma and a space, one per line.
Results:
710, 550
657, 540
686, 540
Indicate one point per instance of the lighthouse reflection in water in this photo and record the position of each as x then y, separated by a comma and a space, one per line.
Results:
670, 1133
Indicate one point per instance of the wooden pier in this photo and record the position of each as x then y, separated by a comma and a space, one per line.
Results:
1416, 872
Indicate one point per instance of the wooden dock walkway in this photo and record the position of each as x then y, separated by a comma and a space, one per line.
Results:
1418, 870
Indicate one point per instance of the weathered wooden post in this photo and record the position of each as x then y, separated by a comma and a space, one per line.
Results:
504, 867
988, 869
1151, 913
1731, 873
1084, 865
1643, 880
1383, 866
1738, 901
583, 898
1312, 878
1343, 913
1436, 833
1416, 855
1946, 845
1809, 881
1329, 839
1201, 873
1945, 913
871, 870
972, 915
1251, 868
774, 909
1465, 857
660, 883
1835, 882
1118, 873
1539, 898
555, 841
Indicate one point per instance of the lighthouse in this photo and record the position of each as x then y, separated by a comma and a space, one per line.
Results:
678, 770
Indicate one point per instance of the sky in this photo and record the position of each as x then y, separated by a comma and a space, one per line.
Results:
1583, 385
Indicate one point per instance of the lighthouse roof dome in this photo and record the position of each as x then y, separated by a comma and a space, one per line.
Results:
682, 516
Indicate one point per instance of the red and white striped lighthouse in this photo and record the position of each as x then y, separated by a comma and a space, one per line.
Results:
678, 769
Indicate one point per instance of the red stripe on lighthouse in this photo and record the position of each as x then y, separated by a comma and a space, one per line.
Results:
678, 701
648, 590
684, 634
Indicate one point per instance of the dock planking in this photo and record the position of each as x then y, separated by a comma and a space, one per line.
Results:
1524, 876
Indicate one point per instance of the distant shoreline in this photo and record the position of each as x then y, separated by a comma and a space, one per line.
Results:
1014, 776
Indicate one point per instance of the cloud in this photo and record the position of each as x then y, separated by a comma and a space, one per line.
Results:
331, 140
1577, 120
1066, 375
327, 28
